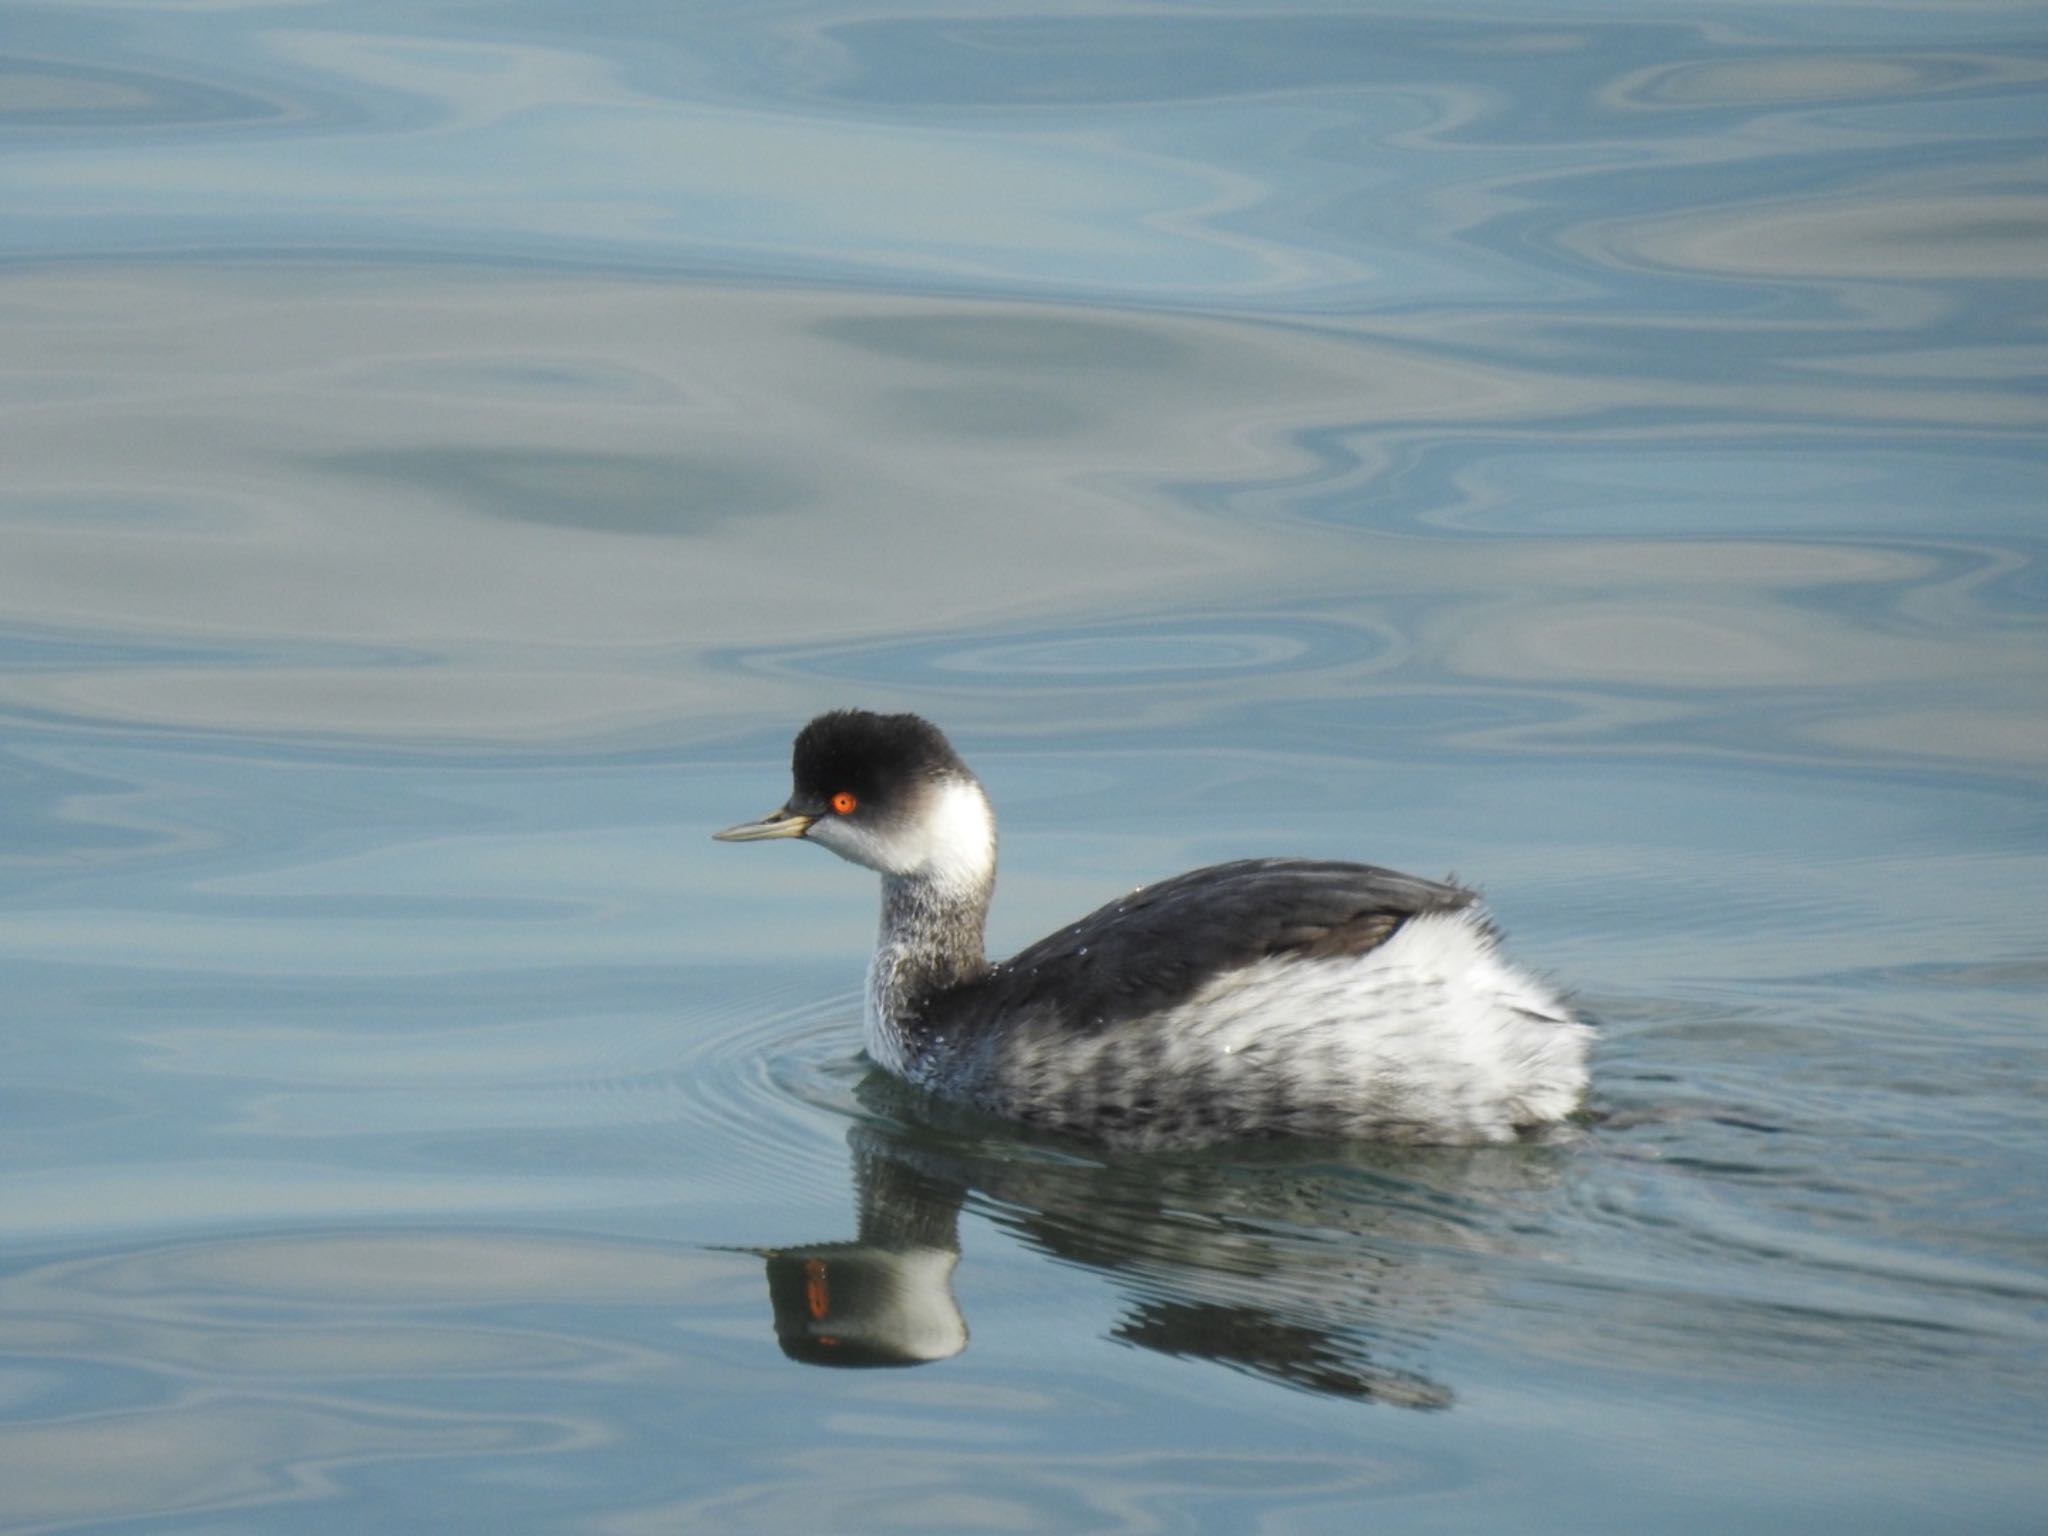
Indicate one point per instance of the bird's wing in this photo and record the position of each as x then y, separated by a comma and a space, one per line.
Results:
1157, 946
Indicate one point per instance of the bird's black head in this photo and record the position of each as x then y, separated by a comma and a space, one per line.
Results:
888, 792
882, 762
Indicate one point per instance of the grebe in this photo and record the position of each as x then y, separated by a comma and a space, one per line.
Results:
1264, 998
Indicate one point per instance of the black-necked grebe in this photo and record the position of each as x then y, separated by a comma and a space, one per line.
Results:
1265, 998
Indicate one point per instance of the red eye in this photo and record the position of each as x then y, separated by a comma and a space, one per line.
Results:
844, 803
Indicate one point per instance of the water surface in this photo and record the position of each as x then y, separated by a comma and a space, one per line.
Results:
451, 447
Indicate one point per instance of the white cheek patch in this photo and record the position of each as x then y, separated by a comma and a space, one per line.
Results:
949, 839
851, 841
959, 836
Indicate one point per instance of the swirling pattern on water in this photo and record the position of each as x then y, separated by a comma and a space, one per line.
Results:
448, 451
1173, 652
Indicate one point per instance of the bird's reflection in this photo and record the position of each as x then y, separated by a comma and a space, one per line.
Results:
886, 1298
1328, 1273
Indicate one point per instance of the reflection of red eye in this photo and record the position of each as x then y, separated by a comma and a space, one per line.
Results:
817, 1290
844, 803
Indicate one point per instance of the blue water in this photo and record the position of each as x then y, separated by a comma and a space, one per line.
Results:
450, 447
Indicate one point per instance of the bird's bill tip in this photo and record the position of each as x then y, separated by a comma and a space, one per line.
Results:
782, 823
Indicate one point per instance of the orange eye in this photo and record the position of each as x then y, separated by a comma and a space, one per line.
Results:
844, 803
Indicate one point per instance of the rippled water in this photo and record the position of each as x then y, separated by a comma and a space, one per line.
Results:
449, 448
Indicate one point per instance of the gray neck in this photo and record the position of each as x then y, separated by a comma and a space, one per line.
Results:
930, 940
